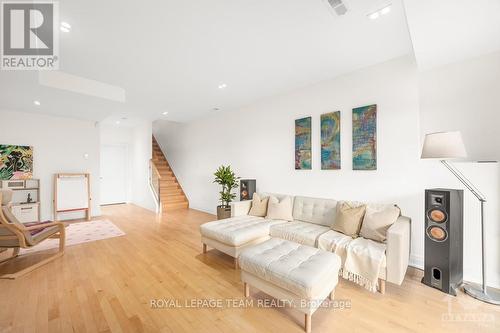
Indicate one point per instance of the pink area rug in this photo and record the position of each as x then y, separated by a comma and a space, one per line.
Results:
78, 233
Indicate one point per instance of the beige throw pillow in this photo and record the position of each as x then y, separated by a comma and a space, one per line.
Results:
377, 221
348, 219
279, 210
259, 206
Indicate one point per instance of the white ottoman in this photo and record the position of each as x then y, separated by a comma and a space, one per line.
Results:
233, 235
299, 275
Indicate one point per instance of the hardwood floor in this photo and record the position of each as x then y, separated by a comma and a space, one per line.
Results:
108, 285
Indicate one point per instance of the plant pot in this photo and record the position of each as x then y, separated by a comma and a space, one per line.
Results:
223, 212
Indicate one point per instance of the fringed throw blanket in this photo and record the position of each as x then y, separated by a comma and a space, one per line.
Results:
363, 262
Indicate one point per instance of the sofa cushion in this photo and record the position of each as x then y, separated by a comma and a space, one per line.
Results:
315, 210
348, 220
259, 206
299, 232
238, 230
377, 221
302, 270
279, 209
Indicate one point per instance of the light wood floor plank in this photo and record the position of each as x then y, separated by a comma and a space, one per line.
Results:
107, 286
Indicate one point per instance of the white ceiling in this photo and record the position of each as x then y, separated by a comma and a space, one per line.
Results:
171, 55
447, 31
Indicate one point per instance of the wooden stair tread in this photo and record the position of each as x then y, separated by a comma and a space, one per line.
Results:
171, 193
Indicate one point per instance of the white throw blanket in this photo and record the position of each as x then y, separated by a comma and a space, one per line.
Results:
363, 262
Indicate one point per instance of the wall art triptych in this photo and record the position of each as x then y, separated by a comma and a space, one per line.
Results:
330, 141
364, 140
303, 148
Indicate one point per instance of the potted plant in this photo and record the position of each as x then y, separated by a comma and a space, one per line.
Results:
226, 178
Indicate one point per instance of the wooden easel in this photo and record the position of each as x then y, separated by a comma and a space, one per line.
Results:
71, 207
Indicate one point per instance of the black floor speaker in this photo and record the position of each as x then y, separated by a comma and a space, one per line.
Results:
443, 267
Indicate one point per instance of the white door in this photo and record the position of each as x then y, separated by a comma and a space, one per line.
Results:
113, 174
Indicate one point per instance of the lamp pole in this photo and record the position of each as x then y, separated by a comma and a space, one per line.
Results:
479, 292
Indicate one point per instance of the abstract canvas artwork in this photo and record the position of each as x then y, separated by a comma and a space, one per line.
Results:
330, 141
364, 138
303, 144
16, 162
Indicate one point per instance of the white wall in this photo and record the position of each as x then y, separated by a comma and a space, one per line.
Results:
258, 142
59, 145
465, 96
141, 154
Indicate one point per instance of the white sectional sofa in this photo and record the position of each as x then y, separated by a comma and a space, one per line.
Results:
311, 226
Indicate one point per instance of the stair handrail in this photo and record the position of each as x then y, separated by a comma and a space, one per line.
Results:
154, 181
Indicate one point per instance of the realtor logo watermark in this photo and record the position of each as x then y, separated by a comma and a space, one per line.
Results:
30, 38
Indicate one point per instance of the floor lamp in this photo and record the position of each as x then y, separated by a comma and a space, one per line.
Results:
449, 145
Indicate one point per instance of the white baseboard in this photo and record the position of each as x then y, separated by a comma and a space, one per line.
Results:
416, 261
204, 210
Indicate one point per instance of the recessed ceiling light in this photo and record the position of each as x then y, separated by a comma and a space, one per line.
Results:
37, 103
222, 86
65, 27
165, 113
382, 11
117, 122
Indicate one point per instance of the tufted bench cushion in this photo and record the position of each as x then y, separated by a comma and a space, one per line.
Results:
238, 230
300, 232
303, 270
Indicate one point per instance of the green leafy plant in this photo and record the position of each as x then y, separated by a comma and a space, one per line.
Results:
226, 178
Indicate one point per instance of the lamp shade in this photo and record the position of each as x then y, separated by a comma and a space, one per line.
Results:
444, 145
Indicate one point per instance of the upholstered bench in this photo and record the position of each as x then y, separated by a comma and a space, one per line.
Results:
299, 275
233, 235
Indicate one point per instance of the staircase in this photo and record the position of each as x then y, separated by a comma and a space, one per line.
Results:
172, 196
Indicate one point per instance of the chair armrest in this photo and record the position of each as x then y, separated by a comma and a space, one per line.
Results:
398, 249
239, 208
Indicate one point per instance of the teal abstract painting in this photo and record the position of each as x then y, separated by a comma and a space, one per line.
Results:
330, 141
364, 138
303, 144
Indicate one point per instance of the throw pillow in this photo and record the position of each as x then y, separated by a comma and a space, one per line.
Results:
279, 210
259, 206
348, 219
377, 221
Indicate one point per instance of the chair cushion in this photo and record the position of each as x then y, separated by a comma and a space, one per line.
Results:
6, 194
42, 234
315, 210
238, 230
299, 232
302, 270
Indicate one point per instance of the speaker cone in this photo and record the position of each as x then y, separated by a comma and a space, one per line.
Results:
437, 215
437, 234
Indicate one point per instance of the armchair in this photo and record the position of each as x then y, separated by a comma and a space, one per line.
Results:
15, 235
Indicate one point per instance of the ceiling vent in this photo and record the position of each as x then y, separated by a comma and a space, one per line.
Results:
338, 6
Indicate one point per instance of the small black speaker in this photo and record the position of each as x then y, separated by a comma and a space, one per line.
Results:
247, 189
444, 239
